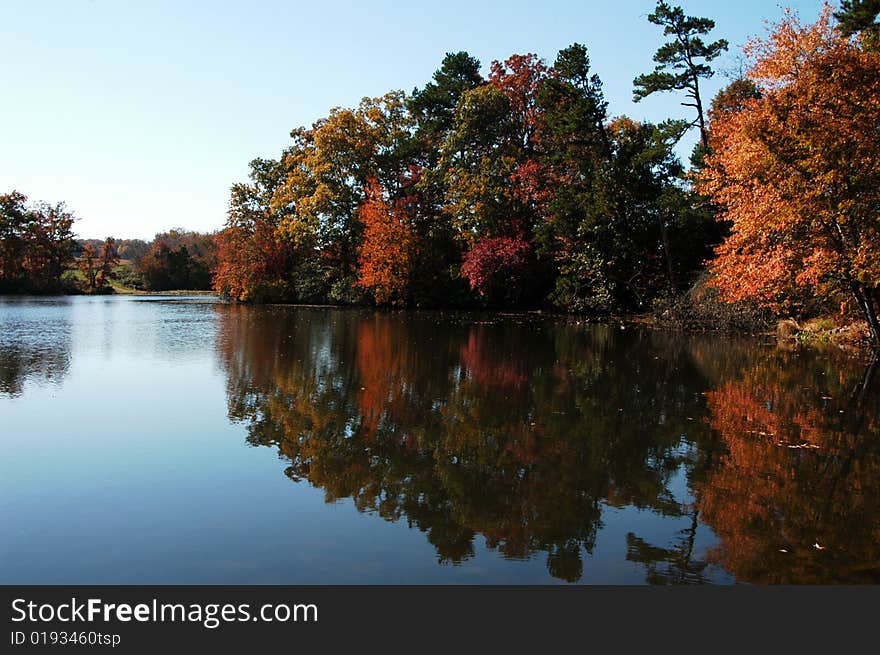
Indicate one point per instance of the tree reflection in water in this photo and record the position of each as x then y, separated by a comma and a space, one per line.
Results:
796, 496
522, 430
34, 343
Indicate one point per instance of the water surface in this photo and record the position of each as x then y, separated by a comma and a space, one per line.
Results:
184, 440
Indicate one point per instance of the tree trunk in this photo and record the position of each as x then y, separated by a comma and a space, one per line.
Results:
704, 133
865, 299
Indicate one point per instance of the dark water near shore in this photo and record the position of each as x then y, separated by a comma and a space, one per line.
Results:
149, 440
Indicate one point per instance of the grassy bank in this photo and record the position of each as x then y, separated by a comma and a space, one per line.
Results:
125, 282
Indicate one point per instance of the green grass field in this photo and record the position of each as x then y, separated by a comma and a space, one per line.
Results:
75, 277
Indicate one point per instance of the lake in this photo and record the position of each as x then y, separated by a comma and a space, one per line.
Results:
170, 440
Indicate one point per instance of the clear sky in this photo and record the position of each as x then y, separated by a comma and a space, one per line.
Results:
139, 115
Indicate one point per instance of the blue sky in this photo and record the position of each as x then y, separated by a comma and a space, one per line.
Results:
141, 114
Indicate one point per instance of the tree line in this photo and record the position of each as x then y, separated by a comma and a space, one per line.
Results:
176, 259
522, 189
518, 189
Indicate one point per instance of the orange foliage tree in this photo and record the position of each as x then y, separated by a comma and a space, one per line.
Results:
108, 260
797, 172
248, 261
389, 248
251, 259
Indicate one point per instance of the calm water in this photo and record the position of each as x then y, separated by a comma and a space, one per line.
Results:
147, 440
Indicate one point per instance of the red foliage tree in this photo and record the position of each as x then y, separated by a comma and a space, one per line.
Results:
496, 267
519, 78
248, 261
252, 257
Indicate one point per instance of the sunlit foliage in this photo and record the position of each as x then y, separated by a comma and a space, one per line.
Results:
389, 249
794, 172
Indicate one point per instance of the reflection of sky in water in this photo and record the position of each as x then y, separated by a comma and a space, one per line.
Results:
169, 330
41, 337
34, 343
120, 464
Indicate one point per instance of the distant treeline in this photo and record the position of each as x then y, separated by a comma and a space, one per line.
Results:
39, 254
176, 259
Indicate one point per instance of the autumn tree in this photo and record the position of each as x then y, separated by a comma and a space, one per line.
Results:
389, 249
796, 174
14, 219
166, 268
479, 156
519, 78
50, 250
326, 172
98, 267
433, 108
89, 267
36, 244
108, 260
293, 232
132, 250
491, 170
497, 268
732, 97
252, 259
683, 61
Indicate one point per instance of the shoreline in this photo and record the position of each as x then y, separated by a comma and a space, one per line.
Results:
817, 334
